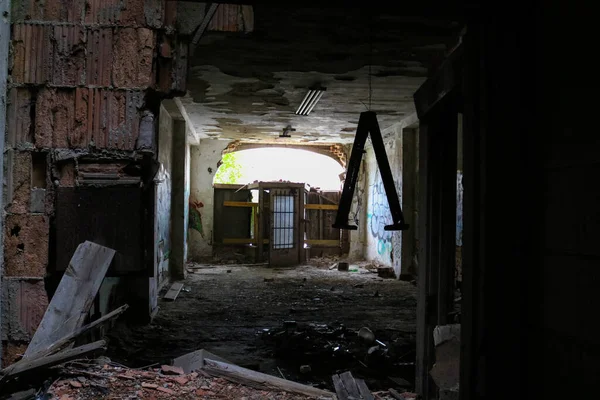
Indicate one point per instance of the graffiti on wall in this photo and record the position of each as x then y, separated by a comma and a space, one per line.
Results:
379, 216
195, 221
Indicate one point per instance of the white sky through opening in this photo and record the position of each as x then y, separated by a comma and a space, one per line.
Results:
273, 164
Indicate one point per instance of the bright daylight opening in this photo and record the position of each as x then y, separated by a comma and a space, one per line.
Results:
274, 164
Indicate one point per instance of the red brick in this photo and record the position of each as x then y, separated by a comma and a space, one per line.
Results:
32, 53
54, 118
128, 71
124, 119
19, 117
74, 118
26, 301
69, 48
26, 245
67, 175
48, 10
99, 56
18, 45
118, 12
21, 183
12, 352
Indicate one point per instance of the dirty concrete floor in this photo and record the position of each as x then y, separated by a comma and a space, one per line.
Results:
228, 306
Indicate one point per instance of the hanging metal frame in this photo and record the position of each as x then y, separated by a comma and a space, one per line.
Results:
367, 124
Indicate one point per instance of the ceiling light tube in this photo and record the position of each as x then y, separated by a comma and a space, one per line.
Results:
314, 103
304, 101
310, 101
311, 95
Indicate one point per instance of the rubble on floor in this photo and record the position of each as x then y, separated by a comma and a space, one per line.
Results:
325, 261
381, 359
111, 381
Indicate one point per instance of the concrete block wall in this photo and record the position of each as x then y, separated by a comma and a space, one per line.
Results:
83, 78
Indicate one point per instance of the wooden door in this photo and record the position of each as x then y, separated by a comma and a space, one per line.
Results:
283, 241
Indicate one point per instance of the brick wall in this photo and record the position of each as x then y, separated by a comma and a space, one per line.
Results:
85, 77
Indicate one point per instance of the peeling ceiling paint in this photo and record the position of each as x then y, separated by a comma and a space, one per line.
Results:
247, 86
250, 109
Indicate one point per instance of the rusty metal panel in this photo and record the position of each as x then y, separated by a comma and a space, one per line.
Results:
109, 216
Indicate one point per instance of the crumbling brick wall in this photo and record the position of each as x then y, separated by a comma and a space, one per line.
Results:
85, 82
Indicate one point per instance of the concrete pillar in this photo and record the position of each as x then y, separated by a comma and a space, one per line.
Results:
178, 201
204, 159
410, 183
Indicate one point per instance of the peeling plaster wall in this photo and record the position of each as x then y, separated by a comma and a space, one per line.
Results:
163, 195
204, 159
381, 245
358, 214
187, 185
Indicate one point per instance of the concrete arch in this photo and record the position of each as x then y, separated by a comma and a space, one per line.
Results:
338, 152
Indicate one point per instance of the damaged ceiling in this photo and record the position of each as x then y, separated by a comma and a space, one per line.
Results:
247, 85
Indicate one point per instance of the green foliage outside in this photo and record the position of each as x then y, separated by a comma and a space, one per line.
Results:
230, 170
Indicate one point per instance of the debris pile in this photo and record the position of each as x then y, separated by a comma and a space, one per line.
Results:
327, 349
324, 262
112, 381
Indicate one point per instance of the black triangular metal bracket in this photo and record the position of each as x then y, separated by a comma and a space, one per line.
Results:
367, 124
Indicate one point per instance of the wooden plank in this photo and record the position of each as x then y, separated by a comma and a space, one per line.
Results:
321, 206
193, 361
74, 296
364, 390
30, 365
340, 389
323, 242
395, 394
238, 374
228, 186
173, 291
350, 385
69, 338
239, 204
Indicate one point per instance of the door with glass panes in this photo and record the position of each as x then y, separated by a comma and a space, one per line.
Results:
283, 241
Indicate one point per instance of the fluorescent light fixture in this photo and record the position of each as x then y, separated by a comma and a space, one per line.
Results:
310, 101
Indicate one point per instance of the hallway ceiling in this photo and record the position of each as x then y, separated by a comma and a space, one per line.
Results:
247, 86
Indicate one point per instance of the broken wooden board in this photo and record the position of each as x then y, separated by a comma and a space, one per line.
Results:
173, 291
56, 346
73, 297
193, 361
31, 365
248, 377
349, 388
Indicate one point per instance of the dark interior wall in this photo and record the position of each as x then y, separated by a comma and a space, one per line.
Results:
571, 209
531, 207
